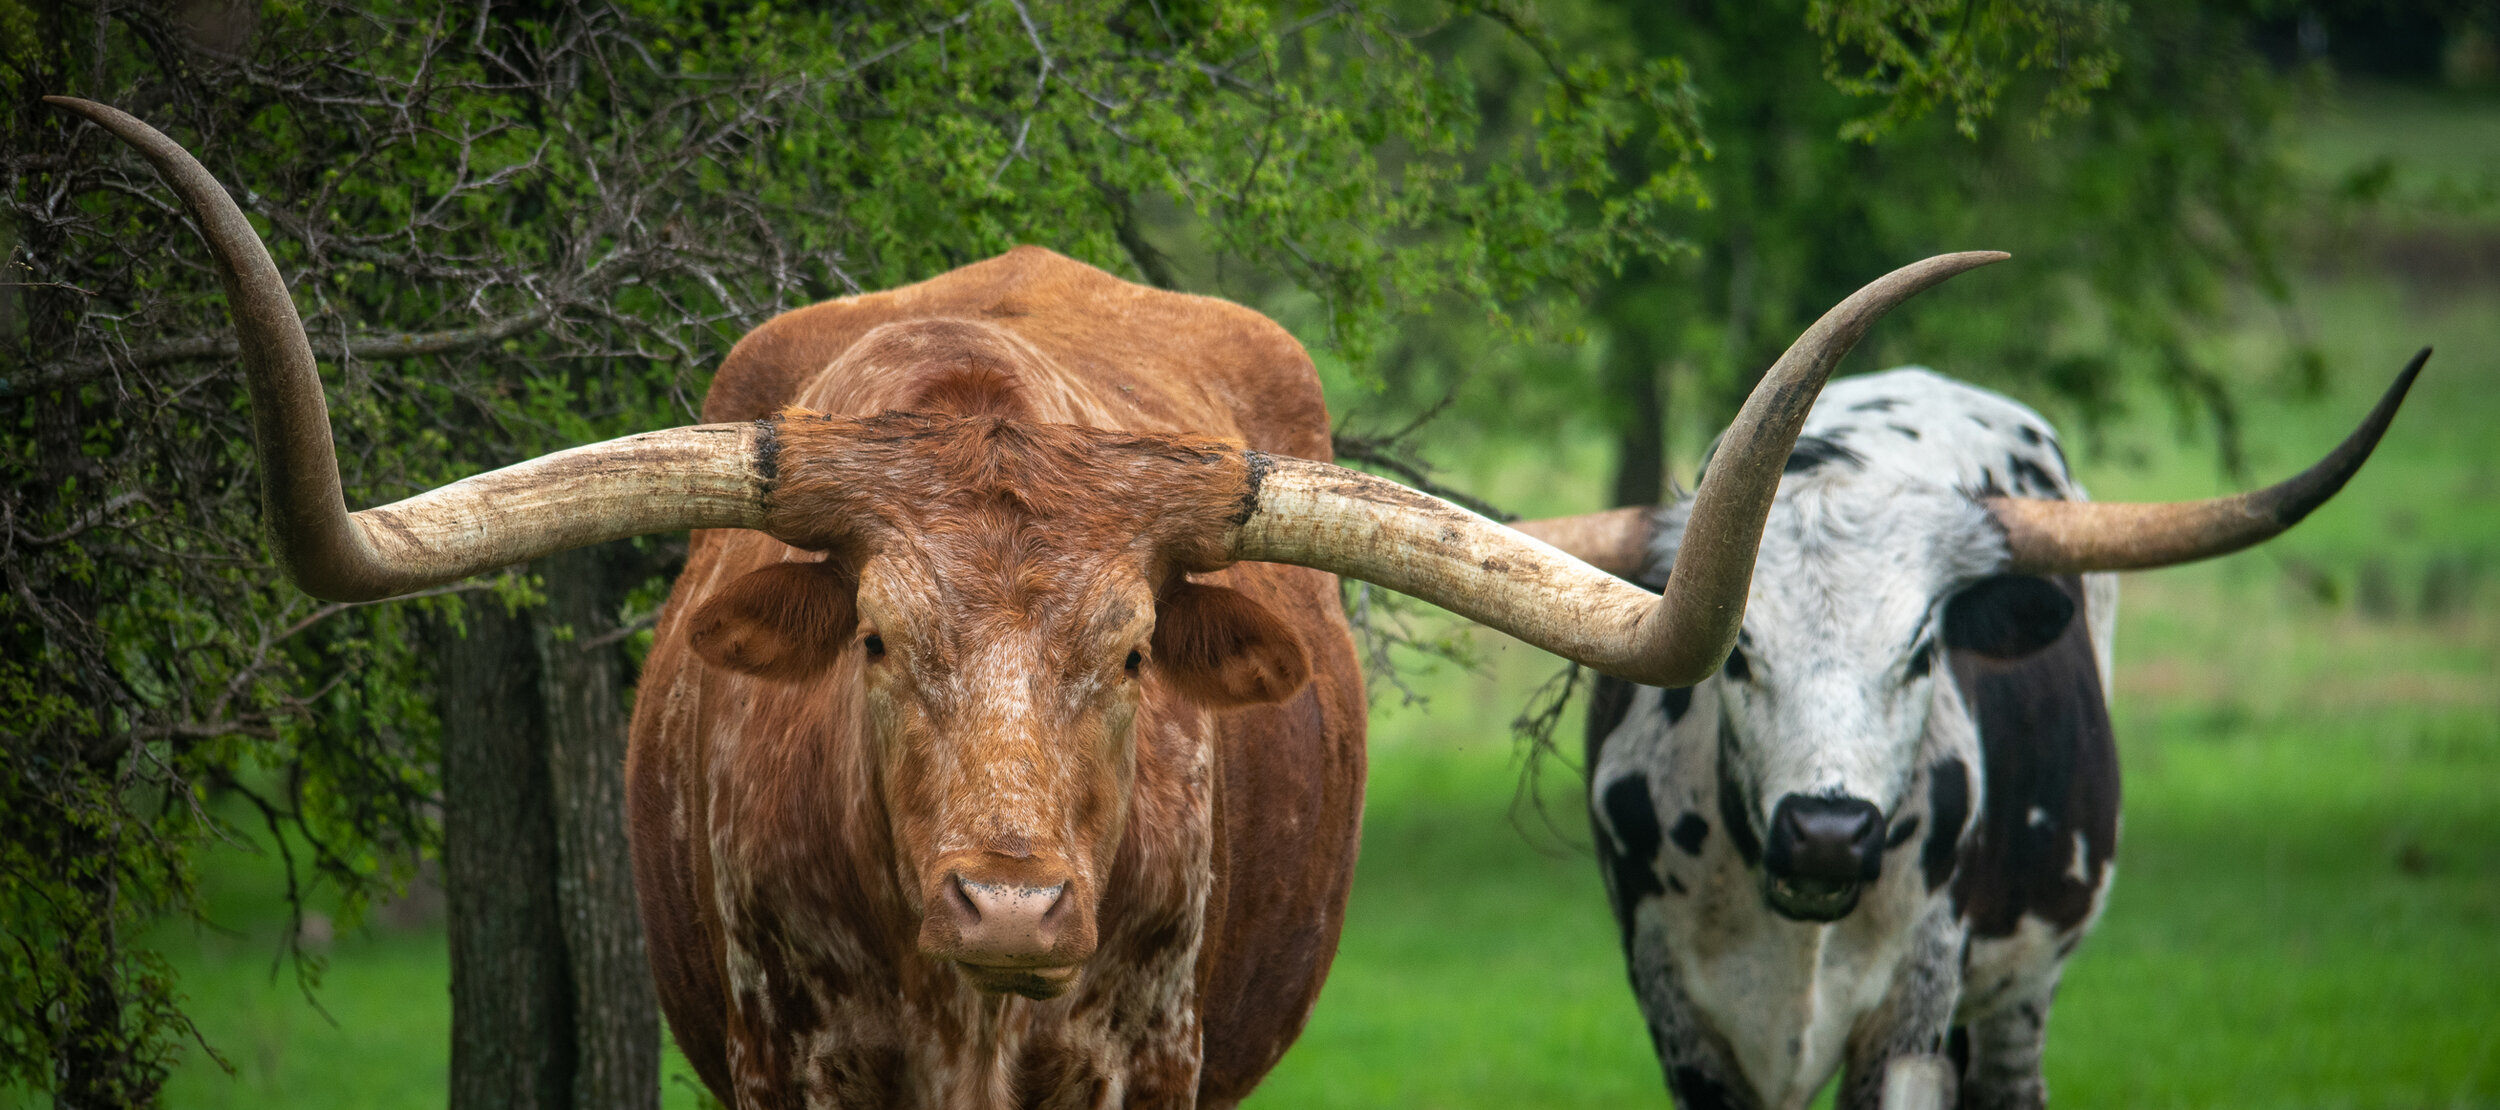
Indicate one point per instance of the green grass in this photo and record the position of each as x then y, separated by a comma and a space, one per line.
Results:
385, 1048
381, 1038
374, 1033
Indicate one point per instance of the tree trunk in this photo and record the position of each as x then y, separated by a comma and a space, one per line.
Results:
1632, 374
582, 685
552, 1005
511, 999
1634, 385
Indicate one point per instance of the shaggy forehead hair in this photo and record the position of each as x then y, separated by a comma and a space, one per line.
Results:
1028, 501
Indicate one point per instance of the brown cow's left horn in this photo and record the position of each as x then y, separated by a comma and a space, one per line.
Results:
2067, 537
707, 476
1317, 515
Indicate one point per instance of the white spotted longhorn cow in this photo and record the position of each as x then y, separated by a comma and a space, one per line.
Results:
1878, 831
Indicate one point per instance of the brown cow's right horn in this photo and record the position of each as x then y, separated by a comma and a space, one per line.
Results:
1317, 515
2070, 537
707, 476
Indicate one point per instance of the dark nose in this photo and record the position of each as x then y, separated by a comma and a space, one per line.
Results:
1833, 840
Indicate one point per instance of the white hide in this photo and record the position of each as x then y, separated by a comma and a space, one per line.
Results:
1858, 558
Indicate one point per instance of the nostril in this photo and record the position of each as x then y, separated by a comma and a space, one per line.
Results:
961, 902
1866, 838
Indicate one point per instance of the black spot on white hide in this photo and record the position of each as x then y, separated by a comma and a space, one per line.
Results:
1690, 833
1629, 851
2007, 616
1816, 451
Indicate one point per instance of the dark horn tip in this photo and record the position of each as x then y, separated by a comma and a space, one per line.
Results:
2412, 370
2298, 497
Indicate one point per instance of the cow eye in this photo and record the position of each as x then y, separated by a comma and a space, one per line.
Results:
1135, 660
875, 645
1922, 660
1736, 669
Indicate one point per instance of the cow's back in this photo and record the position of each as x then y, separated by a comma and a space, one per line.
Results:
1289, 775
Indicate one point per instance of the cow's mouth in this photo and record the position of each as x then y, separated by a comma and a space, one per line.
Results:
1817, 900
1037, 983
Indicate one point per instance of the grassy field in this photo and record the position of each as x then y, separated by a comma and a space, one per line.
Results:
2307, 912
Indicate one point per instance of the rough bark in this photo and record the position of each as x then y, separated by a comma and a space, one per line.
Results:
582, 683
1633, 382
512, 1036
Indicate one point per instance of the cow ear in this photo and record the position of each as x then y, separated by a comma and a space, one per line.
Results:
784, 622
2008, 616
1219, 647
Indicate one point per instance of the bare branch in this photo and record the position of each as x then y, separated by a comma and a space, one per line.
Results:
1388, 454
384, 346
621, 632
337, 607
89, 519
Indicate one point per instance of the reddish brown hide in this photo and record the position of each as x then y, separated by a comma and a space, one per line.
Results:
1001, 788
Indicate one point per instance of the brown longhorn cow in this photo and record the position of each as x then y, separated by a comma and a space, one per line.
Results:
1002, 743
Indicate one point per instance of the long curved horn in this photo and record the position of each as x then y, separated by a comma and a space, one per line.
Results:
706, 476
1612, 540
1323, 516
2070, 537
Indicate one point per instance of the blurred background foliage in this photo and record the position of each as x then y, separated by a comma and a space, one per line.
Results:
2135, 160
1539, 252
